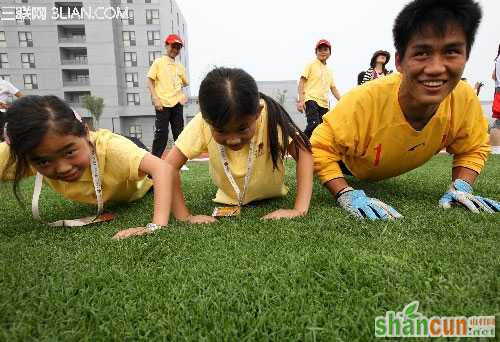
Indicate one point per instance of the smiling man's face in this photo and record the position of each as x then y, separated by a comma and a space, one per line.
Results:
432, 65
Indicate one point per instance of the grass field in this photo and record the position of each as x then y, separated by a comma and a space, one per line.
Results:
322, 277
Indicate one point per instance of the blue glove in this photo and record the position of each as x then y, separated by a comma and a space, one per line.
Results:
460, 192
356, 203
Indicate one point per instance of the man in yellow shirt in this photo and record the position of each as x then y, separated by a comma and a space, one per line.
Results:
315, 82
166, 78
392, 125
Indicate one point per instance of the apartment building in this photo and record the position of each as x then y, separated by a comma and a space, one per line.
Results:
84, 47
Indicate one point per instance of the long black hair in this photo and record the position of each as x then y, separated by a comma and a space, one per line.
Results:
228, 93
28, 120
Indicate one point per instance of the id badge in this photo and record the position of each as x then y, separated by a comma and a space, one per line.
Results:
226, 211
104, 217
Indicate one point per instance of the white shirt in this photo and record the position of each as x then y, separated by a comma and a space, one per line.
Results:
6, 90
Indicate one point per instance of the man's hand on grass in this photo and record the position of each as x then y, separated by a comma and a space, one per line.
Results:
126, 233
283, 213
356, 203
460, 193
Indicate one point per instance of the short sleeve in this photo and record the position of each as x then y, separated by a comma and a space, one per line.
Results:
123, 158
185, 81
336, 137
332, 80
153, 70
192, 140
306, 73
470, 147
12, 90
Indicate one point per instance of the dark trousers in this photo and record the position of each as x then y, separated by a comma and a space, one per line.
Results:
314, 114
165, 116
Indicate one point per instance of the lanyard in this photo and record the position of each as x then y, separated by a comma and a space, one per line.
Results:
225, 163
94, 168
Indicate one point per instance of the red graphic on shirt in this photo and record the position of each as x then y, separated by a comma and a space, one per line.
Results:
378, 151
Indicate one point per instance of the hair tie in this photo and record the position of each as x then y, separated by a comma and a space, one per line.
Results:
5, 136
78, 117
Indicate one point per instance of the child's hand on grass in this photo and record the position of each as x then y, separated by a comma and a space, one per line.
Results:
199, 219
123, 234
283, 213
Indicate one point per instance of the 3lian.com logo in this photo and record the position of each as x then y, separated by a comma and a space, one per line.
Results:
411, 323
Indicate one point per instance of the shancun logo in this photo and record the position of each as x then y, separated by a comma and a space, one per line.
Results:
411, 323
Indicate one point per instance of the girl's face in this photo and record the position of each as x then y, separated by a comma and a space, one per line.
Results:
237, 133
381, 59
61, 157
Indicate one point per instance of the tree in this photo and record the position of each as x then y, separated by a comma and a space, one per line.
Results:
95, 105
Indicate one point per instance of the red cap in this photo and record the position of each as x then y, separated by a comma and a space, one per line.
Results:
173, 38
323, 42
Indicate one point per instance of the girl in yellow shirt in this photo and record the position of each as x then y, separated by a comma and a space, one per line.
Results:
46, 138
247, 135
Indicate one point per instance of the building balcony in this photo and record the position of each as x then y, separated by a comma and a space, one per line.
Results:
76, 83
81, 60
72, 39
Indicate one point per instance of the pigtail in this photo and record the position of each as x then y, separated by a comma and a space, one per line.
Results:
277, 116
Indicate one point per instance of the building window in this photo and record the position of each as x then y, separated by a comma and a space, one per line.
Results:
3, 40
130, 59
147, 1
5, 77
183, 29
171, 7
152, 16
4, 61
135, 131
130, 1
25, 39
178, 22
30, 82
131, 18
28, 60
153, 55
132, 79
154, 38
128, 38
172, 21
133, 99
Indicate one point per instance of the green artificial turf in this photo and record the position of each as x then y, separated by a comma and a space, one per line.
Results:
322, 277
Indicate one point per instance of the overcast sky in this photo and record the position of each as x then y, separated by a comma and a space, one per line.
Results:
273, 40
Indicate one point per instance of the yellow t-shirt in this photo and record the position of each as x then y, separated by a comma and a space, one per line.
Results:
119, 161
169, 78
319, 80
367, 130
265, 182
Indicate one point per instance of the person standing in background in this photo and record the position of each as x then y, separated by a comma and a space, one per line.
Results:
166, 78
377, 66
315, 82
6, 89
495, 130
